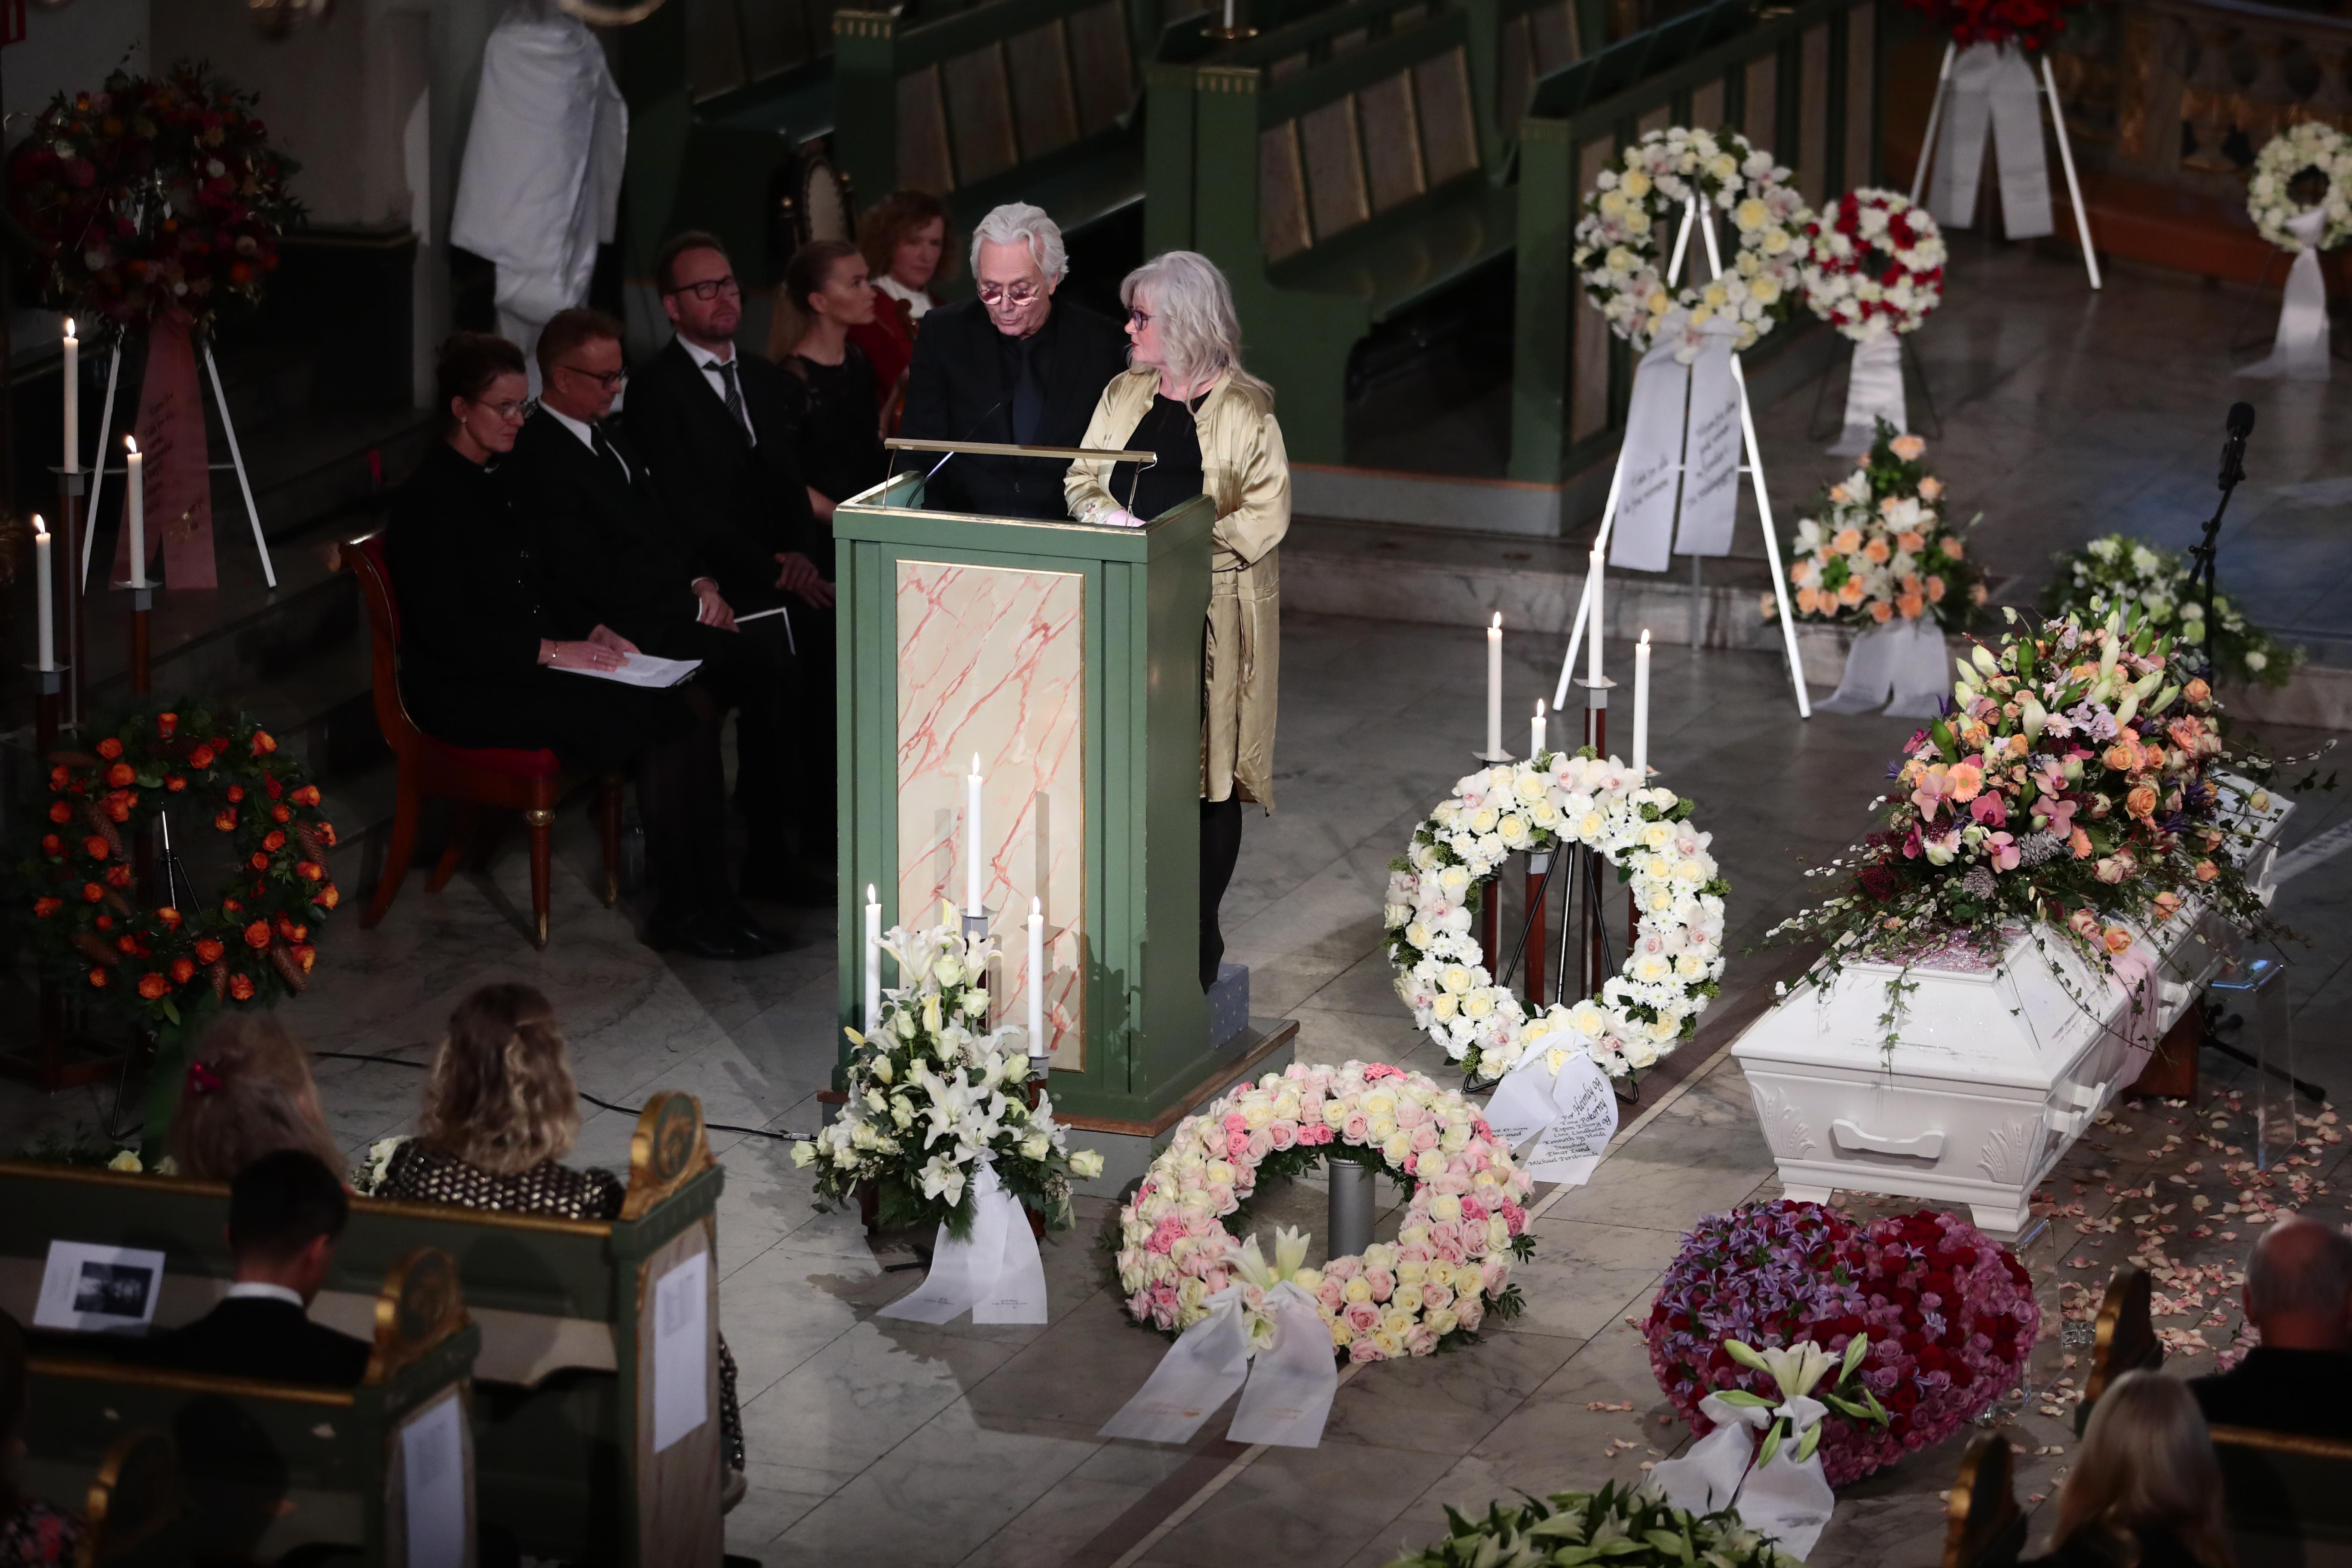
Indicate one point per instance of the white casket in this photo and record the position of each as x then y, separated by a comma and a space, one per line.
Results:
1994, 1071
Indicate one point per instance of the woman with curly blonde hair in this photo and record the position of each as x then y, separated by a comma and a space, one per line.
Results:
500, 1112
248, 1093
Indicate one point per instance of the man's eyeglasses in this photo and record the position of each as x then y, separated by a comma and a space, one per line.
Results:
712, 288
999, 294
610, 380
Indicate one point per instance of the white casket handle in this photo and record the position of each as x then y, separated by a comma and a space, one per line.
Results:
1926, 1146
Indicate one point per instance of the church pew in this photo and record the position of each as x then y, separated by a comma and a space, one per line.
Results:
1015, 100
1984, 1528
2124, 1338
561, 1410
193, 1466
2289, 1498
1802, 82
1339, 172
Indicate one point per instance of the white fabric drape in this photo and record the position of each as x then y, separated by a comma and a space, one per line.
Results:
1894, 668
540, 185
2299, 352
1992, 88
1874, 391
1711, 452
995, 1273
1289, 1385
1785, 1499
1570, 1115
1650, 461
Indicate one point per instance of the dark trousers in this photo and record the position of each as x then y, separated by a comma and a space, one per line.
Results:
682, 796
752, 672
1220, 851
812, 788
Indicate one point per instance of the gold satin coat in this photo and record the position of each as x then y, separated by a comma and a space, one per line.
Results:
1245, 474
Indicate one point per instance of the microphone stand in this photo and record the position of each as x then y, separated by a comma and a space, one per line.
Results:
2234, 471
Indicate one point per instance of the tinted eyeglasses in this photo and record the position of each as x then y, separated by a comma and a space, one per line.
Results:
1000, 294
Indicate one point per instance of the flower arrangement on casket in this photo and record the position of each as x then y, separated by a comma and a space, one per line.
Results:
2119, 571
1623, 265
2030, 25
155, 193
1449, 1268
934, 1092
1875, 545
1873, 264
2306, 165
1625, 1526
2075, 784
1541, 805
1949, 1315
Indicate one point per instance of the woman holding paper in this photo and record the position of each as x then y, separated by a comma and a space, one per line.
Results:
487, 662
1186, 397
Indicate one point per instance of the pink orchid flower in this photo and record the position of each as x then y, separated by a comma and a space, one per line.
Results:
1991, 809
2001, 849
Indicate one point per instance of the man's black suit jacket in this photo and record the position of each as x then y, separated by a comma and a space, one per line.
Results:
253, 1336
2305, 1392
958, 391
613, 551
743, 503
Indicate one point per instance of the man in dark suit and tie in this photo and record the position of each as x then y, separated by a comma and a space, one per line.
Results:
1011, 365
717, 425
617, 552
285, 1211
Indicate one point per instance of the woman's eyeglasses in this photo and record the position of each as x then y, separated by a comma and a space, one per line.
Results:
1138, 320
510, 411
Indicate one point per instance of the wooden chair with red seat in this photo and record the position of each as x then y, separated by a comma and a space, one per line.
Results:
528, 781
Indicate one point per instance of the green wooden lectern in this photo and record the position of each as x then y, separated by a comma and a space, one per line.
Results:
1066, 659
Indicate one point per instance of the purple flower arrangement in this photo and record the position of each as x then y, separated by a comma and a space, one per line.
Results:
1949, 1312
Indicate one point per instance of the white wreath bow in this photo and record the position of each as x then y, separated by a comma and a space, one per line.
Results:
1288, 1393
1784, 1494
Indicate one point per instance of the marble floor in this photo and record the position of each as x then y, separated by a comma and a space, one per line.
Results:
888, 1443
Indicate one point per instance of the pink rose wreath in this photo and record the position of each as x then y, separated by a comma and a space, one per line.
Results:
1447, 1271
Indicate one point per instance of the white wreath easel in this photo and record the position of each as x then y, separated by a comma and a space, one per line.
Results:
1753, 467
2047, 95
98, 470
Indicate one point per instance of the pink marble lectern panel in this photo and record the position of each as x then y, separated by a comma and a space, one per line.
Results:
992, 660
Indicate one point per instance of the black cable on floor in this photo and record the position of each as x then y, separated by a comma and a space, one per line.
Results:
600, 1104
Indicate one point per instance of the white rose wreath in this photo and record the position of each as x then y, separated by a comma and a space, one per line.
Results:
1547, 805
1448, 1269
2270, 199
1623, 265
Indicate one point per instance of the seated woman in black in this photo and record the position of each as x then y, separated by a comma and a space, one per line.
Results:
840, 447
484, 657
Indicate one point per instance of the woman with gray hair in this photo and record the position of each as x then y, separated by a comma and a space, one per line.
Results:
1186, 397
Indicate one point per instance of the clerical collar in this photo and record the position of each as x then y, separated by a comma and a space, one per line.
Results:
586, 432
705, 358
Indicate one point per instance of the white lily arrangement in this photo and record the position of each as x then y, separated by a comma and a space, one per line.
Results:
935, 1092
1797, 1370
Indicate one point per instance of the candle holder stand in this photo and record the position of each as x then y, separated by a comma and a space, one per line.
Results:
49, 710
66, 594
142, 601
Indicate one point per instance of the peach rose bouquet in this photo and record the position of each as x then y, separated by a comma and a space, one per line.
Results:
1875, 547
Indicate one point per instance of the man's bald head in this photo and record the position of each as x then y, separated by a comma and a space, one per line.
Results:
2299, 1289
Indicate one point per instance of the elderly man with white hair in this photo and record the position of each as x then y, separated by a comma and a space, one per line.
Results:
2299, 1295
1016, 364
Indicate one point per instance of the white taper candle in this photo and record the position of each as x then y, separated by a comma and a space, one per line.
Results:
73, 400
1642, 708
1594, 621
1495, 687
972, 837
1038, 1045
134, 492
1536, 732
872, 959
43, 595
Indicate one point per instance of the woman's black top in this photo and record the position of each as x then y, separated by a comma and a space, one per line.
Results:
1166, 427
472, 614
840, 446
